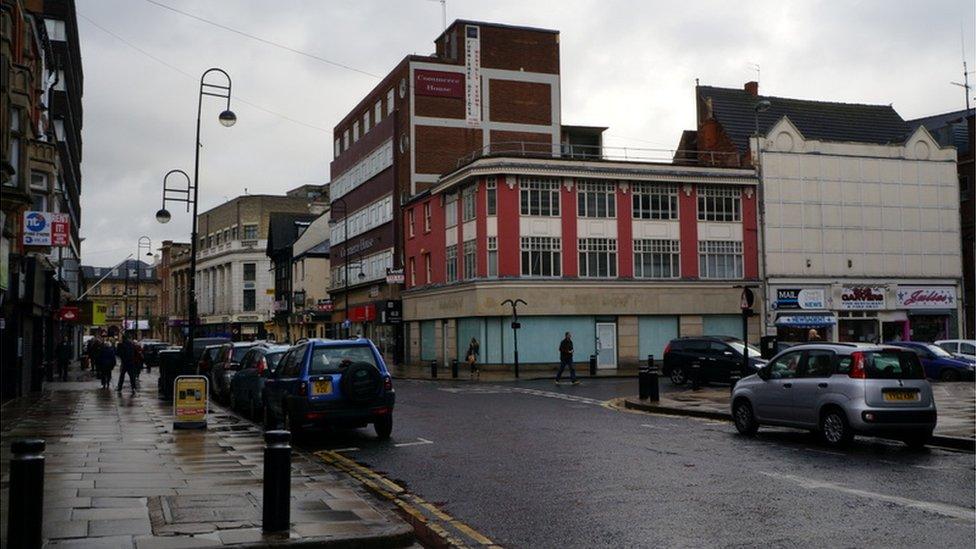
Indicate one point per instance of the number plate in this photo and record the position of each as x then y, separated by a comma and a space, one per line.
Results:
322, 387
900, 396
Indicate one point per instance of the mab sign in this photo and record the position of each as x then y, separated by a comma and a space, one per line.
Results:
926, 297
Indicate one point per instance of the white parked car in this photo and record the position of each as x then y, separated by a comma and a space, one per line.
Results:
964, 347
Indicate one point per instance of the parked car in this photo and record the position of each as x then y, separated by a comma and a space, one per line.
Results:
150, 351
839, 390
207, 360
717, 357
248, 383
226, 364
964, 347
938, 363
330, 383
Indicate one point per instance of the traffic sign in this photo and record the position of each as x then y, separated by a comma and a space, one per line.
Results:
747, 299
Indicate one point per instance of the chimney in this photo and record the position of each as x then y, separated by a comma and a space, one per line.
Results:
752, 88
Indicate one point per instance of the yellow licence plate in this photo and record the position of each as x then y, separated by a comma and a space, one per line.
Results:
900, 396
322, 386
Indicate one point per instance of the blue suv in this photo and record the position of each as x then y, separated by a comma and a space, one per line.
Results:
330, 383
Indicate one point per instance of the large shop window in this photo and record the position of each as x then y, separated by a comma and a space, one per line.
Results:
598, 257
657, 259
596, 199
541, 256
655, 201
539, 196
719, 259
451, 267
470, 262
719, 204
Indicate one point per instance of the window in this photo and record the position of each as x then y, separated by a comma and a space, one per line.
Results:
38, 181
389, 102
598, 257
785, 367
210, 239
250, 232
233, 233
217, 239
333, 359
467, 203
365, 122
818, 364
719, 204
39, 202
355, 131
450, 210
451, 271
345, 140
427, 217
226, 235
337, 149
541, 256
378, 112
719, 259
250, 302
657, 259
413, 271
539, 196
492, 256
55, 29
470, 259
655, 201
15, 135
492, 191
596, 199
410, 223
428, 269
250, 272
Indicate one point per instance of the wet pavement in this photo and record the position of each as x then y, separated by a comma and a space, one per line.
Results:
117, 475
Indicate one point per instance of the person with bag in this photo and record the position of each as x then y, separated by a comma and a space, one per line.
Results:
104, 352
128, 355
566, 359
472, 358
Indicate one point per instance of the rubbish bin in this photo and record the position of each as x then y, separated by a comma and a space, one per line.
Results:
171, 364
767, 346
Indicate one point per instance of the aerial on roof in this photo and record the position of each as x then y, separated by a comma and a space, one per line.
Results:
949, 128
735, 110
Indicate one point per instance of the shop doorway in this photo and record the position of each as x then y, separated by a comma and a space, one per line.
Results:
893, 331
606, 345
863, 330
929, 328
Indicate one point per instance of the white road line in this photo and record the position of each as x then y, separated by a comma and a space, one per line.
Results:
418, 442
945, 509
349, 449
651, 426
819, 451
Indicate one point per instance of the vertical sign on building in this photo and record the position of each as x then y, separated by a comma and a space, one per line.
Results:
472, 73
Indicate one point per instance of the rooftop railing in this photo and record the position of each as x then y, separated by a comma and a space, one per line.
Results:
564, 151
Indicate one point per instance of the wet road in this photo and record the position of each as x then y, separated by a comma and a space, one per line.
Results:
537, 465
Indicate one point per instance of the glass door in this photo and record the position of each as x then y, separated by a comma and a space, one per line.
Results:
606, 345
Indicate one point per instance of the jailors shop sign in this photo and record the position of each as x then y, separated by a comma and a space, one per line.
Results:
926, 297
438, 83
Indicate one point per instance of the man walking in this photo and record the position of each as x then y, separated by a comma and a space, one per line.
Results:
566, 359
129, 357
64, 357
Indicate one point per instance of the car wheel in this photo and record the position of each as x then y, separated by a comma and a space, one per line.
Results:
917, 442
948, 375
745, 421
834, 428
678, 376
384, 426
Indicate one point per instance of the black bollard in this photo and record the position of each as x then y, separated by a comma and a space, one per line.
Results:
653, 379
454, 368
433, 368
644, 383
276, 515
592, 365
695, 376
734, 376
26, 500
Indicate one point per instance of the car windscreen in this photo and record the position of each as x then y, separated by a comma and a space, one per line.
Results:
737, 345
334, 359
893, 365
937, 351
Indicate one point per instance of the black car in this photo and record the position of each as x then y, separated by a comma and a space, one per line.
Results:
717, 357
226, 363
201, 343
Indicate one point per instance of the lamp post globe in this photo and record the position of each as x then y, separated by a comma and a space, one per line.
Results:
227, 118
163, 216
763, 105
361, 276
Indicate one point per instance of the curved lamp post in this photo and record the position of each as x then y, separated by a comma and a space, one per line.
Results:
190, 194
144, 244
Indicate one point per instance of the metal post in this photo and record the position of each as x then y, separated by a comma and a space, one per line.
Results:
653, 378
592, 365
433, 369
745, 341
276, 514
695, 376
25, 507
454, 368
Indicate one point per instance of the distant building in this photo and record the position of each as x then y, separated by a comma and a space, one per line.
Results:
123, 298
171, 322
311, 303
283, 230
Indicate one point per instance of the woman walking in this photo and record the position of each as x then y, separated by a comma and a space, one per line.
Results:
105, 362
472, 358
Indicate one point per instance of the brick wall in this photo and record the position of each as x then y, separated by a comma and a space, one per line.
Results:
520, 102
443, 146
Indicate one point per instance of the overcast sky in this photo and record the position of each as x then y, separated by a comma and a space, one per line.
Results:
629, 65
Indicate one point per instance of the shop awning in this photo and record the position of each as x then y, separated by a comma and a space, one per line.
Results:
806, 321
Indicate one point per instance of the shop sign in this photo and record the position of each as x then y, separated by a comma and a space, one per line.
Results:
438, 83
392, 312
801, 298
472, 70
69, 314
394, 276
926, 297
805, 321
363, 313
46, 229
862, 298
99, 312
190, 402
324, 305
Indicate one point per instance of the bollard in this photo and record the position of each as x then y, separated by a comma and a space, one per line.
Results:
433, 368
592, 365
25, 515
695, 376
276, 514
644, 383
734, 376
654, 378
454, 368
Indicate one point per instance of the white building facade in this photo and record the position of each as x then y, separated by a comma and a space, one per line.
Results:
235, 288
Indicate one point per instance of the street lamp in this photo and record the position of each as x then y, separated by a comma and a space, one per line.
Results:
515, 328
762, 105
345, 261
190, 194
144, 244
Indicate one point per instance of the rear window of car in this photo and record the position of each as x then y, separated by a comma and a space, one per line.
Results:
274, 358
893, 365
238, 353
335, 359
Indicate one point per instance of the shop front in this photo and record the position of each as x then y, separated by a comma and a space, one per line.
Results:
802, 312
897, 313
932, 311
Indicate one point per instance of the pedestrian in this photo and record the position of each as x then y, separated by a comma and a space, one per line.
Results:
104, 360
566, 359
813, 335
64, 357
128, 355
472, 358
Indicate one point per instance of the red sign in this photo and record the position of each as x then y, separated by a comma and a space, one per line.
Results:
324, 305
362, 313
60, 229
69, 314
438, 84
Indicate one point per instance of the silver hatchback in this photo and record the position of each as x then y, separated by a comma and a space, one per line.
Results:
839, 390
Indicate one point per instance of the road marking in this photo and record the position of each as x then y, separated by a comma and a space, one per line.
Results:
649, 426
819, 451
349, 449
420, 513
419, 441
932, 507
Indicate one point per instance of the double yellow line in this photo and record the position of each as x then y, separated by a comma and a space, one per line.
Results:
411, 504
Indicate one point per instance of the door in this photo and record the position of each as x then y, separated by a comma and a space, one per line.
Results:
719, 362
774, 398
812, 384
606, 345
